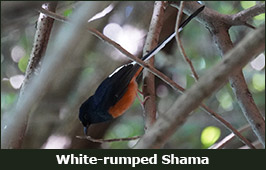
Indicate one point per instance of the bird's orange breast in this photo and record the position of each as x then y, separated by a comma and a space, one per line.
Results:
127, 100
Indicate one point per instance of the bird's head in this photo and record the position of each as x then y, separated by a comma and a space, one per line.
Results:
85, 112
90, 112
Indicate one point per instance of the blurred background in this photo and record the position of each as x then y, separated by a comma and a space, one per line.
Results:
54, 122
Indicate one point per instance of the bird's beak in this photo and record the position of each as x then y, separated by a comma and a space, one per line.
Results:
86, 130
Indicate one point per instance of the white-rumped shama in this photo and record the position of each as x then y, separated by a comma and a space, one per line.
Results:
118, 91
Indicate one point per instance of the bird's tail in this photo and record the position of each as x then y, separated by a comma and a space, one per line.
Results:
163, 43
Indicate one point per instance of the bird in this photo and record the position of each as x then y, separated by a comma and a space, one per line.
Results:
118, 91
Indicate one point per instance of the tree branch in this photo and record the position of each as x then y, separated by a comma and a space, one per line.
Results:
108, 140
247, 14
234, 60
42, 35
152, 39
213, 19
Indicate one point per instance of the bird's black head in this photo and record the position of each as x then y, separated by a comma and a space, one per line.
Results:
90, 112
85, 111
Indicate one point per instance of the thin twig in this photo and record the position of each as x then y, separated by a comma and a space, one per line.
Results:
54, 15
250, 26
256, 143
227, 125
160, 75
228, 138
108, 140
179, 43
245, 15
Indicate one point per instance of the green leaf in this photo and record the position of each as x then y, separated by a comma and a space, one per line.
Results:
22, 64
247, 4
25, 43
67, 12
225, 100
260, 17
7, 99
210, 135
258, 82
199, 63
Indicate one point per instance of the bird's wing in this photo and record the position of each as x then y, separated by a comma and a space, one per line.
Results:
112, 89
